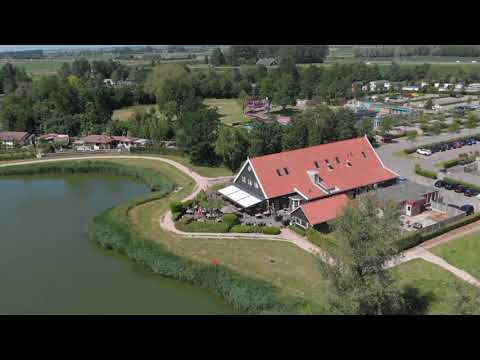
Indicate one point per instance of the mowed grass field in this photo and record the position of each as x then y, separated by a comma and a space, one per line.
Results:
435, 286
229, 109
463, 253
294, 273
126, 113
45, 67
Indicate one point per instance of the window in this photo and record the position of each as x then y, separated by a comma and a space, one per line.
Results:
244, 179
255, 185
364, 155
330, 167
250, 182
279, 172
317, 165
249, 168
337, 159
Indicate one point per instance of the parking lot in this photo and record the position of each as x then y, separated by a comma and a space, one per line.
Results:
405, 165
429, 162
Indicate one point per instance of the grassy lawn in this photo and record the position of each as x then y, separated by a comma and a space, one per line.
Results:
463, 253
229, 109
294, 272
126, 113
434, 284
202, 170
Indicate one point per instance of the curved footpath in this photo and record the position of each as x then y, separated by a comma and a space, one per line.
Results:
287, 235
201, 183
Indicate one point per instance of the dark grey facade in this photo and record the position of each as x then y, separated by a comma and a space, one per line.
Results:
298, 218
248, 182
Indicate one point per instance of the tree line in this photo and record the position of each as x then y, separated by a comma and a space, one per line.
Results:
424, 50
75, 101
249, 54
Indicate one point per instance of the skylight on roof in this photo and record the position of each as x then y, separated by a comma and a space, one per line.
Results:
286, 171
364, 155
349, 163
338, 160
279, 173
317, 165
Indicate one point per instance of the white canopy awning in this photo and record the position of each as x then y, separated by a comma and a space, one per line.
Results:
239, 196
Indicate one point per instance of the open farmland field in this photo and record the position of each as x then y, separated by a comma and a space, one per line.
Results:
229, 109
126, 113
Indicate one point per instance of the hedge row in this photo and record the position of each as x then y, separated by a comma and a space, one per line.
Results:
202, 227
326, 242
297, 229
450, 163
426, 173
431, 145
157, 150
243, 229
20, 155
417, 237
458, 182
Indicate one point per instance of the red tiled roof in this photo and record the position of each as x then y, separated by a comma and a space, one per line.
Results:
123, 138
362, 172
13, 135
323, 210
52, 136
97, 139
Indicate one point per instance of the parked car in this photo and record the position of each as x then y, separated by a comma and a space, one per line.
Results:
401, 179
439, 184
460, 189
448, 186
469, 209
470, 192
426, 152
417, 226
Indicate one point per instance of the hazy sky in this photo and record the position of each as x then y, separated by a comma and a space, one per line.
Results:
52, 47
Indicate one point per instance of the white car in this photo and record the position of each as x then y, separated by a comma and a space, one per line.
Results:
425, 152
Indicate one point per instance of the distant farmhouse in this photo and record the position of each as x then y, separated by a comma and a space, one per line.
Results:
15, 138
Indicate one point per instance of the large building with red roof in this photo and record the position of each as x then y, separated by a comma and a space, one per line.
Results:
313, 183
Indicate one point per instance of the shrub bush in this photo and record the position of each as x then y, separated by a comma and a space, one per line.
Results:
270, 230
202, 227
326, 242
242, 229
255, 229
297, 229
450, 163
176, 215
426, 173
177, 207
187, 219
231, 220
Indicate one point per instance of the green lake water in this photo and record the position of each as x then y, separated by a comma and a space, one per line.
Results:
49, 266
